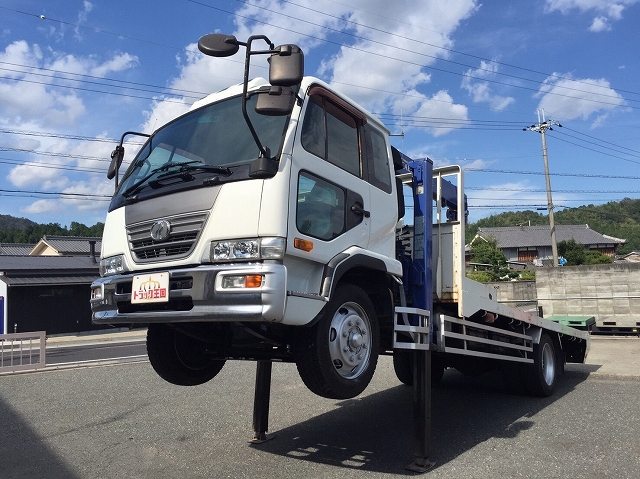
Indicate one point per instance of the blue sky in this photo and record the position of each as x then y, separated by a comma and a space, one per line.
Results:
461, 79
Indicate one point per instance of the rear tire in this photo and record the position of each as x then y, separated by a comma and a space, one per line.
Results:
180, 359
403, 367
540, 378
336, 357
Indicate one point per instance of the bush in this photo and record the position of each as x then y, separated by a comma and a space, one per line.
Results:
527, 275
595, 257
480, 276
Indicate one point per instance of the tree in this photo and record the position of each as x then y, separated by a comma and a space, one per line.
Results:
486, 251
572, 251
575, 254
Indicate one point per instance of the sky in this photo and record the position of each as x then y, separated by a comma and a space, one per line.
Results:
457, 81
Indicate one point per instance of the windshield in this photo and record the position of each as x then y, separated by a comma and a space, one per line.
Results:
213, 141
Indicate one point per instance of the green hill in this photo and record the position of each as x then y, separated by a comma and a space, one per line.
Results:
22, 230
620, 219
8, 222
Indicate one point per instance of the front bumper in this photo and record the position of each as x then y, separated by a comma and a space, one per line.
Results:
196, 294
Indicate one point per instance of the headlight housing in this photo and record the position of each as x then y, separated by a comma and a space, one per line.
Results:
113, 265
247, 249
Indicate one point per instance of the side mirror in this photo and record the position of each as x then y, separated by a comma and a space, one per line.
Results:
117, 156
278, 101
218, 45
286, 66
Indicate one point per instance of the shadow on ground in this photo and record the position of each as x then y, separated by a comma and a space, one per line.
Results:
375, 433
24, 452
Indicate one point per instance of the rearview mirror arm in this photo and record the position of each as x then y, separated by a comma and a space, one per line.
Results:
248, 54
117, 155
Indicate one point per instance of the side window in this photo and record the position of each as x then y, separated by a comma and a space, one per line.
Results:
379, 174
320, 212
332, 134
313, 136
342, 140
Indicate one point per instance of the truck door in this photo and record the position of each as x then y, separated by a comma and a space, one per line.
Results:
329, 200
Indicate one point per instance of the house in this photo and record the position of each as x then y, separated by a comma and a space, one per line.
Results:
46, 293
632, 257
51, 245
47, 286
526, 244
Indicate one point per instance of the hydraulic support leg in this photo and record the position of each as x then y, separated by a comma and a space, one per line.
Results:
421, 412
261, 403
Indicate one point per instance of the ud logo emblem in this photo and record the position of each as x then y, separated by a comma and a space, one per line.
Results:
160, 230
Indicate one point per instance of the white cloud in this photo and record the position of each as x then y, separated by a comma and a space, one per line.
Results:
23, 100
394, 58
41, 206
480, 91
38, 172
600, 24
82, 18
426, 112
563, 97
606, 10
382, 68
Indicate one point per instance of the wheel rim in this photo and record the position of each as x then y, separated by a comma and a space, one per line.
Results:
190, 353
548, 364
350, 340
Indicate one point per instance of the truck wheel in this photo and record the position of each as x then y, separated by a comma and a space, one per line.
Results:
178, 358
336, 358
403, 366
540, 377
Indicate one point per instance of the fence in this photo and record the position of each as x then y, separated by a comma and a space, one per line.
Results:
22, 351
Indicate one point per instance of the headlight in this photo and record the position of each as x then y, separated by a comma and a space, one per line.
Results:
113, 265
247, 249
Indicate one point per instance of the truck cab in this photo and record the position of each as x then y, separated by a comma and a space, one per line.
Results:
244, 230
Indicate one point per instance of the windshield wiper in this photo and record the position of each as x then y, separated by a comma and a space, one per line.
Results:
184, 166
192, 166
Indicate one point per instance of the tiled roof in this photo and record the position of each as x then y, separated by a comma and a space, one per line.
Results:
71, 244
15, 249
527, 236
56, 265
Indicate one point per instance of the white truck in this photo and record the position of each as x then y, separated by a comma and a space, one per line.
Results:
268, 223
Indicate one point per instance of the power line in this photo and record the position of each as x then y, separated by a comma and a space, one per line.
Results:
596, 151
351, 47
538, 173
4, 192
8, 161
46, 153
451, 50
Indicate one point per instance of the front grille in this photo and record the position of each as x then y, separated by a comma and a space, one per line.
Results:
185, 230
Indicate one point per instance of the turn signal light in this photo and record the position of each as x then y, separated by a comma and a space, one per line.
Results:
304, 245
253, 281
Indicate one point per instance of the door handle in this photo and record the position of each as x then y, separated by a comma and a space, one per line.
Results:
357, 209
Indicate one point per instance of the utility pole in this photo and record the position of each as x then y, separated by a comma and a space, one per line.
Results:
542, 126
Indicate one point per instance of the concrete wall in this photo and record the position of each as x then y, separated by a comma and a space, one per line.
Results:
610, 292
518, 294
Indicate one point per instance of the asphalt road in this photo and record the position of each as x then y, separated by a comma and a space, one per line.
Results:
88, 353
123, 421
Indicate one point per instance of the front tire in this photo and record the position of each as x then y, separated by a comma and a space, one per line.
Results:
178, 358
337, 357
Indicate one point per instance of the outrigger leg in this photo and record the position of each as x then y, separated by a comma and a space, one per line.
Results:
421, 412
261, 403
